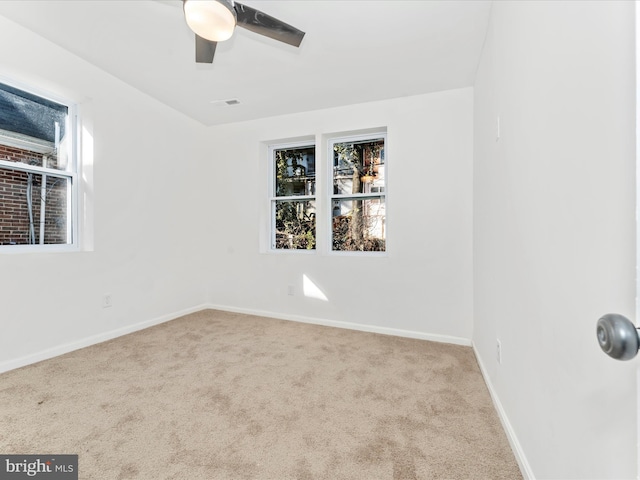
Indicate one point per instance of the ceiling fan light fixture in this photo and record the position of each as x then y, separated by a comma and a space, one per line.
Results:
214, 20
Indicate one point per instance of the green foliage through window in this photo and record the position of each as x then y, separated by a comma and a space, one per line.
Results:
294, 203
358, 206
354, 199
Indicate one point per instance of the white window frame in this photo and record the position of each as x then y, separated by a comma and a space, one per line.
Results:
71, 172
331, 197
273, 199
324, 197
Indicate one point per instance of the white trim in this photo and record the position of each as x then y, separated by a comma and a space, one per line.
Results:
638, 417
433, 337
273, 199
71, 210
109, 335
71, 172
357, 254
518, 451
74, 190
331, 197
637, 312
637, 99
25, 167
355, 196
93, 340
37, 248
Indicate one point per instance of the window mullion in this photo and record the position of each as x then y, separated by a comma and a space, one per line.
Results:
23, 167
358, 195
292, 192
38, 172
357, 214
294, 198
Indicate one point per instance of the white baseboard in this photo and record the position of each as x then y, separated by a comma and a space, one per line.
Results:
94, 339
521, 458
103, 337
347, 325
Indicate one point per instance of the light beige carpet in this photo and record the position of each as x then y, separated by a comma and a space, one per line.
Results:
217, 395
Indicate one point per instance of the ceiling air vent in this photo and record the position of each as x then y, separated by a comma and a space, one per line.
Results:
224, 103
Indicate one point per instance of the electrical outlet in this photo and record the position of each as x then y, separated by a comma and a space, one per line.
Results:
107, 300
498, 351
290, 290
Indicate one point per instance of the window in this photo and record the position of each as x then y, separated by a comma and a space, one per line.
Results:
351, 202
37, 170
293, 201
358, 197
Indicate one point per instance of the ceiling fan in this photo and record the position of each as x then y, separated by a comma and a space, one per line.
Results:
214, 21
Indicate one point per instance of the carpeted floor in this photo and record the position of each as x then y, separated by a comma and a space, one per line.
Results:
217, 395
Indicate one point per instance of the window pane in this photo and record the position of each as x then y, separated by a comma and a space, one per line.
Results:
33, 130
359, 225
295, 225
295, 171
31, 214
358, 167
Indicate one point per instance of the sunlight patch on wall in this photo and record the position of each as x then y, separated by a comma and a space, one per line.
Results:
311, 290
86, 212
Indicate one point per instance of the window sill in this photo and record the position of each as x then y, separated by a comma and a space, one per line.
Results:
17, 249
332, 253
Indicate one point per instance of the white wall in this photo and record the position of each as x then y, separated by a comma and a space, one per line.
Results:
145, 205
548, 246
174, 212
554, 230
174, 215
423, 285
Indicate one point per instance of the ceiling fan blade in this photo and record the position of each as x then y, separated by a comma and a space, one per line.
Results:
205, 50
266, 25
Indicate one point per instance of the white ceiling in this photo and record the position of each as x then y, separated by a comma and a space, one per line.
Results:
354, 51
